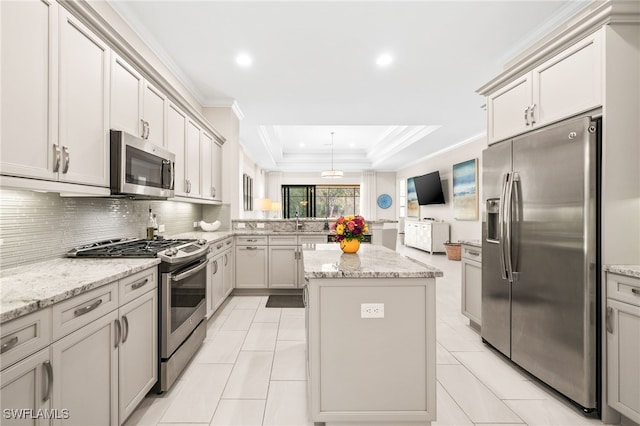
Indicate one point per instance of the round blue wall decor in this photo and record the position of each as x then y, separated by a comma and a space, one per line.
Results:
384, 201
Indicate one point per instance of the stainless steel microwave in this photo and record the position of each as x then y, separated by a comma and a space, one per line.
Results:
139, 168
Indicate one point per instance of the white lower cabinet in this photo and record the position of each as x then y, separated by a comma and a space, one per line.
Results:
251, 266
471, 300
137, 357
26, 386
215, 290
623, 345
426, 235
283, 266
88, 360
85, 373
228, 270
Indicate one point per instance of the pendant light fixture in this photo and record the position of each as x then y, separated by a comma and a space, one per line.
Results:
332, 174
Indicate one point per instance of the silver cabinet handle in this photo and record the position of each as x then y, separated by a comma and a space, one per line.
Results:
125, 327
49, 371
532, 114
229, 242
56, 156
609, 320
473, 252
87, 309
139, 284
213, 191
526, 115
144, 128
146, 135
189, 273
65, 159
218, 246
118, 333
215, 267
252, 241
251, 248
226, 259
188, 186
305, 295
636, 291
8, 345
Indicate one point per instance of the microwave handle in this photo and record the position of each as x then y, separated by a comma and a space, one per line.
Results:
173, 174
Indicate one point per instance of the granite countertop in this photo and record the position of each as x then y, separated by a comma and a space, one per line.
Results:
628, 270
26, 289
475, 243
204, 235
371, 261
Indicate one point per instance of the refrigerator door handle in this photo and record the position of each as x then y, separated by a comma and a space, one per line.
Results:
501, 226
508, 226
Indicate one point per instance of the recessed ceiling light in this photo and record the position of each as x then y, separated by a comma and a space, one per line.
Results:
384, 60
244, 60
352, 145
301, 144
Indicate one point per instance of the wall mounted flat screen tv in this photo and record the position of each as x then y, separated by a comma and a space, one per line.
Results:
429, 189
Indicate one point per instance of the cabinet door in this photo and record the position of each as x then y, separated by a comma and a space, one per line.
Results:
251, 267
26, 386
569, 83
283, 270
192, 164
126, 97
176, 142
84, 104
154, 113
85, 374
28, 54
506, 109
228, 274
472, 290
138, 351
623, 353
216, 171
205, 165
215, 288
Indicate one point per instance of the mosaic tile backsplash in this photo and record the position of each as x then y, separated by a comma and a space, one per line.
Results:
40, 226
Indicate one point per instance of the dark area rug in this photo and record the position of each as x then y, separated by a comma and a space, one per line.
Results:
287, 301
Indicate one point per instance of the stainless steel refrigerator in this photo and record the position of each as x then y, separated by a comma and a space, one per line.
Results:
540, 263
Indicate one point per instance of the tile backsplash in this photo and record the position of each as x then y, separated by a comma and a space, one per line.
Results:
38, 226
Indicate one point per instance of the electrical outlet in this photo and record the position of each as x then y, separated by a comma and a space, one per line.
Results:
372, 310
260, 225
240, 225
161, 228
195, 224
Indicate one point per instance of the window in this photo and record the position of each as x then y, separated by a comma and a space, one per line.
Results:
320, 200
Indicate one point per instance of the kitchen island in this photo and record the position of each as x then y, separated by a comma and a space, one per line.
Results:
371, 339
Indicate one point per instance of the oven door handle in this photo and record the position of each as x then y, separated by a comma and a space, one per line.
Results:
190, 272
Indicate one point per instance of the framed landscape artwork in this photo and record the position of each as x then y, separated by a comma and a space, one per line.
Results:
413, 209
465, 190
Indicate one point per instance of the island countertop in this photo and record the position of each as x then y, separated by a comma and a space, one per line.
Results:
371, 261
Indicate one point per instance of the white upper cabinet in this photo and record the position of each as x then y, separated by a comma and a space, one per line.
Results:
216, 171
137, 107
126, 97
29, 75
83, 104
176, 142
154, 114
193, 159
567, 84
206, 143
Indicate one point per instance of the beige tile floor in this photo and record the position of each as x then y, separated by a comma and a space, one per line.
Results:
250, 372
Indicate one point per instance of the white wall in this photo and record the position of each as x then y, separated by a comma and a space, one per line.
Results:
443, 162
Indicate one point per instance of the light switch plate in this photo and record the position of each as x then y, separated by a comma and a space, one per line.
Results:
240, 225
260, 225
161, 228
372, 310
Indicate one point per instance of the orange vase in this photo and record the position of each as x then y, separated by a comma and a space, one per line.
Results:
350, 246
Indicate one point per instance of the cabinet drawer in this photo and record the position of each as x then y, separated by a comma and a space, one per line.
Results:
74, 313
472, 253
283, 240
137, 284
252, 240
623, 288
312, 239
24, 336
217, 247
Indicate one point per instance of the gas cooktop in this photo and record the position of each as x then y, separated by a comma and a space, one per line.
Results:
139, 248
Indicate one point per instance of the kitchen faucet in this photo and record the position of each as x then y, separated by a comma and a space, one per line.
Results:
298, 224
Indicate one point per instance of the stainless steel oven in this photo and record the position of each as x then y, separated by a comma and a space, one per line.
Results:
183, 283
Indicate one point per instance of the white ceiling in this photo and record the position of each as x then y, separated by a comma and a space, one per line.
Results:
314, 70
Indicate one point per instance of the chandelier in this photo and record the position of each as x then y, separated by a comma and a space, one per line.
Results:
332, 174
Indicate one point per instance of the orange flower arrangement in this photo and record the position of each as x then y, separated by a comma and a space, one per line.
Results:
350, 228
